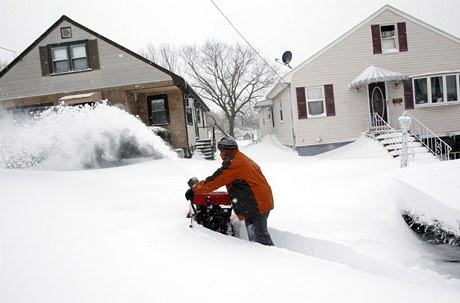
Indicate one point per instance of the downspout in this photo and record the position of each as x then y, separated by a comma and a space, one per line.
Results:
292, 118
187, 150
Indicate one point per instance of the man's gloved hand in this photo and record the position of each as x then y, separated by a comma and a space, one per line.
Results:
189, 194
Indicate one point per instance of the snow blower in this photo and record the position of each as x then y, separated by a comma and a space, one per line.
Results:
212, 210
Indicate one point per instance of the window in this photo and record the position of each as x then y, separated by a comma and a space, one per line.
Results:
27, 111
315, 101
452, 88
281, 111
189, 116
437, 93
66, 32
158, 109
198, 115
69, 58
388, 36
438, 89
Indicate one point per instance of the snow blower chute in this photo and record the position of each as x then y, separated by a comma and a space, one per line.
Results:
212, 210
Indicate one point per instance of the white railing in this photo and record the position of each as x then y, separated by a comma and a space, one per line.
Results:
430, 140
388, 134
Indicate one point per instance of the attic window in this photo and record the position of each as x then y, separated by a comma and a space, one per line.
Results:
389, 38
388, 35
68, 58
66, 32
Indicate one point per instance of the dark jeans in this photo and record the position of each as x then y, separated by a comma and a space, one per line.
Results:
257, 229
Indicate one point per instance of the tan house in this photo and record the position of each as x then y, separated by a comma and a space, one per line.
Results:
72, 64
388, 64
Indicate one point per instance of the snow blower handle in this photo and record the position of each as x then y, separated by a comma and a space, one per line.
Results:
192, 182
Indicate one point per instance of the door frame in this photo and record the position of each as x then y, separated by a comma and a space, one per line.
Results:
382, 87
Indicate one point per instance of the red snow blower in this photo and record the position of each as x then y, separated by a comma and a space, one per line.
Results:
212, 210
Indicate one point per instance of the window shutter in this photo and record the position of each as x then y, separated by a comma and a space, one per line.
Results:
408, 94
93, 55
376, 43
44, 61
329, 95
301, 102
402, 37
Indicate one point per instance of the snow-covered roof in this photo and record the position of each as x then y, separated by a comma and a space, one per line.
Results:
374, 74
264, 103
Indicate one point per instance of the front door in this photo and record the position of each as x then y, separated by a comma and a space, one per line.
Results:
377, 99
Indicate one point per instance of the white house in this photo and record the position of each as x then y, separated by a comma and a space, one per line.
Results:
389, 63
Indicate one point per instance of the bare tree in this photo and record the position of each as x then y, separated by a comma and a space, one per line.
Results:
165, 55
230, 76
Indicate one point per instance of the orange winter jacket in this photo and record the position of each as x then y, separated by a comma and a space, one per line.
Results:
251, 194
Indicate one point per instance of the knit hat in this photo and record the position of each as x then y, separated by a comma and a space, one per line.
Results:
227, 143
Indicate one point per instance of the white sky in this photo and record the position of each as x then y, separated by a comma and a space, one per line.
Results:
272, 27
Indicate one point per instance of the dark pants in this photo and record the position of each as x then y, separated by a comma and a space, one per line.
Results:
257, 229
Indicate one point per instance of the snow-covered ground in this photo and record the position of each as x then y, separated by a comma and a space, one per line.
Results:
120, 234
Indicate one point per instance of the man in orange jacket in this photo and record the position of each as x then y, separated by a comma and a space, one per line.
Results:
251, 194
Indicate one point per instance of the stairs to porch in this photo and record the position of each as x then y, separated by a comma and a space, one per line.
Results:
205, 148
391, 140
422, 144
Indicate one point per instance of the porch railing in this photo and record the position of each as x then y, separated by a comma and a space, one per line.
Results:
430, 140
381, 128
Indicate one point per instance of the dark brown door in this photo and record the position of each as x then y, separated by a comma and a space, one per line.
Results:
377, 99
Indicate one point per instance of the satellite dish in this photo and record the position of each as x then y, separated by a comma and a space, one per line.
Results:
287, 56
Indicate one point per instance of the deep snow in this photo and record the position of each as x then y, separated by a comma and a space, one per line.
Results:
120, 234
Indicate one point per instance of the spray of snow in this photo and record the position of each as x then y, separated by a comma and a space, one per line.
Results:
67, 138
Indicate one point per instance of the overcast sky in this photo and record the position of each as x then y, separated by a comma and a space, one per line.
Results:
272, 27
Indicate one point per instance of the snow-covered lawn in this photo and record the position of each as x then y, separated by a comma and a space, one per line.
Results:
120, 234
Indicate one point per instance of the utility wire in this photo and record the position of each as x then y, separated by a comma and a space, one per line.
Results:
8, 49
241, 35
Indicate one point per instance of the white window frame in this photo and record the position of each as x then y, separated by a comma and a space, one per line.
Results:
69, 58
429, 102
323, 100
393, 38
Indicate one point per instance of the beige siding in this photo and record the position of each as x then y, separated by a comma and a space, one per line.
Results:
118, 68
265, 125
283, 129
429, 51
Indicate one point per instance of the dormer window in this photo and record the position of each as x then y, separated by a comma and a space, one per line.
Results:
389, 38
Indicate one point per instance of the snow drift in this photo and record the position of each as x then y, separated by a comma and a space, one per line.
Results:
121, 234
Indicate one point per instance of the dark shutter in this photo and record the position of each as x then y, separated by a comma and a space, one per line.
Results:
376, 43
44, 61
329, 95
408, 94
301, 102
93, 55
402, 37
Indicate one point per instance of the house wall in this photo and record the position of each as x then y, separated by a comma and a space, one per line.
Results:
429, 51
265, 125
177, 123
283, 128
